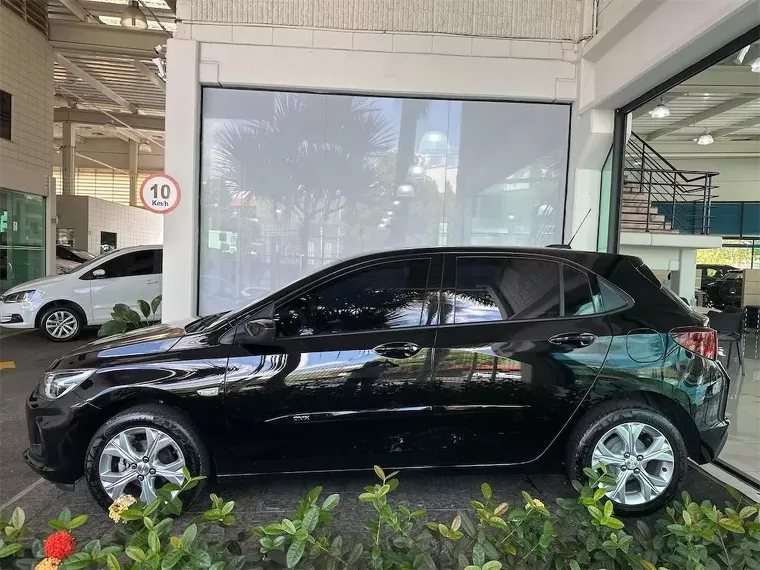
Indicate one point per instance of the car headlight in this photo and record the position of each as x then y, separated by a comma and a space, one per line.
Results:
56, 384
18, 296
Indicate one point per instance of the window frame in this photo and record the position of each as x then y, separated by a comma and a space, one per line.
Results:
346, 271
6, 96
90, 277
558, 261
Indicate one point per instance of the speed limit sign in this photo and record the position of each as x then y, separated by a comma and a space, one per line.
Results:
160, 193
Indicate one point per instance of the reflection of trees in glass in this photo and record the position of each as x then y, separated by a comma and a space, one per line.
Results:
315, 156
349, 310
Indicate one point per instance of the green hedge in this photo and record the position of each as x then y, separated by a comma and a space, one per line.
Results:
487, 534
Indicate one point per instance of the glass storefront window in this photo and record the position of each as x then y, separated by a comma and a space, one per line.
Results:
291, 182
605, 194
22, 238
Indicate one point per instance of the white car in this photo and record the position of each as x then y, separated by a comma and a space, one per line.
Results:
62, 305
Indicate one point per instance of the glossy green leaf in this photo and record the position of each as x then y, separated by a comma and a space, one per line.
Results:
171, 559
144, 308
112, 563
331, 502
294, 554
379, 472
156, 303
478, 555
486, 491
310, 519
189, 536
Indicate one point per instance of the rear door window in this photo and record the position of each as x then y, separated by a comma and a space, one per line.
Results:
505, 289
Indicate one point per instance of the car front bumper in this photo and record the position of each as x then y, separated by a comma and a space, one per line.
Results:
58, 436
18, 315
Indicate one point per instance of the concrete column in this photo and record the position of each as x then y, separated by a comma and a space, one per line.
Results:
68, 158
590, 141
182, 162
134, 147
51, 232
683, 281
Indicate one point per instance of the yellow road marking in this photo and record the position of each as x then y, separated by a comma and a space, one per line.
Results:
15, 333
7, 364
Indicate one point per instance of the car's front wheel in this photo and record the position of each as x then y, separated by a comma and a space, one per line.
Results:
61, 323
640, 448
140, 450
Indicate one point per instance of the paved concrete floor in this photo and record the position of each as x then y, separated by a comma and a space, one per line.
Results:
259, 499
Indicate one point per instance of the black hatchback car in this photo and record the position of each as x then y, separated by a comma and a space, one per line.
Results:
425, 357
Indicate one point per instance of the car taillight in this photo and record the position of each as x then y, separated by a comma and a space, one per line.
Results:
702, 341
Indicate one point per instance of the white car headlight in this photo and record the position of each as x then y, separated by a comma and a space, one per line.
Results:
18, 296
56, 384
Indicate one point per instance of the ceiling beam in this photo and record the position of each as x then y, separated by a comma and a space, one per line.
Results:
79, 11
149, 75
754, 121
115, 10
88, 117
703, 116
94, 83
99, 39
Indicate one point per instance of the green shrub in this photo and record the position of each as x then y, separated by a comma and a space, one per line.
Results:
124, 318
580, 534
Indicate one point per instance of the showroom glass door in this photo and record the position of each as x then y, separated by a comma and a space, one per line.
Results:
22, 238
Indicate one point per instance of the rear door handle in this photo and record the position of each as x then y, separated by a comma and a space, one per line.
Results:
398, 349
576, 340
152, 281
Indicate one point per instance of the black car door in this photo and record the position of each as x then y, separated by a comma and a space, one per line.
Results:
346, 381
520, 343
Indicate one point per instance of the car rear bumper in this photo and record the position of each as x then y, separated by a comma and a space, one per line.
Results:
712, 442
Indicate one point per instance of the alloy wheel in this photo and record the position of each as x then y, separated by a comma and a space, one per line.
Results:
61, 324
139, 461
640, 458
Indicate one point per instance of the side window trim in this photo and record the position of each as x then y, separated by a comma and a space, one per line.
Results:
369, 264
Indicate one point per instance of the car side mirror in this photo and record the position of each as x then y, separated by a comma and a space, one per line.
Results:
260, 330
99, 273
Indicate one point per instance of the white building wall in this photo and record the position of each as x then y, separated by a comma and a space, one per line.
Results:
89, 216
739, 179
542, 19
132, 226
278, 57
26, 72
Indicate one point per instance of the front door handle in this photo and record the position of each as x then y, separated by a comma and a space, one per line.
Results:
574, 340
398, 349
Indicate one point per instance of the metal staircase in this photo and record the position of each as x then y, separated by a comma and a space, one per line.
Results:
660, 198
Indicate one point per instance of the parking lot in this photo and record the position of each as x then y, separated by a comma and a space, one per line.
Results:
441, 492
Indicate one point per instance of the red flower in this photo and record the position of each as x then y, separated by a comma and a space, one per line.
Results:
60, 545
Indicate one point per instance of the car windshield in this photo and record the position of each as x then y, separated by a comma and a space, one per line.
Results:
83, 255
89, 262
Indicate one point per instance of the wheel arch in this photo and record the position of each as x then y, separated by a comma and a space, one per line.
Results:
667, 406
59, 303
149, 396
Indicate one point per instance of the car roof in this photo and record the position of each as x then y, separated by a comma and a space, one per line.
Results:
578, 256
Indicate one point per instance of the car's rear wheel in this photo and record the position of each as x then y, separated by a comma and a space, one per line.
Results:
140, 450
640, 448
61, 323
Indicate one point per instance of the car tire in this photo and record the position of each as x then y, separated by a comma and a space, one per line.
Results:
647, 481
61, 323
178, 443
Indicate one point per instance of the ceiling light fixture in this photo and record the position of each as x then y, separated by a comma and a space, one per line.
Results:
661, 111
705, 139
133, 17
144, 147
755, 66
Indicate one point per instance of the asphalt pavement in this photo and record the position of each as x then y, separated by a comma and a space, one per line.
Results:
24, 358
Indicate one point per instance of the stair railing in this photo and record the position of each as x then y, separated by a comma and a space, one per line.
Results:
682, 196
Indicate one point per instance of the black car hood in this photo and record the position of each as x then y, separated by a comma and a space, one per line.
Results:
142, 342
